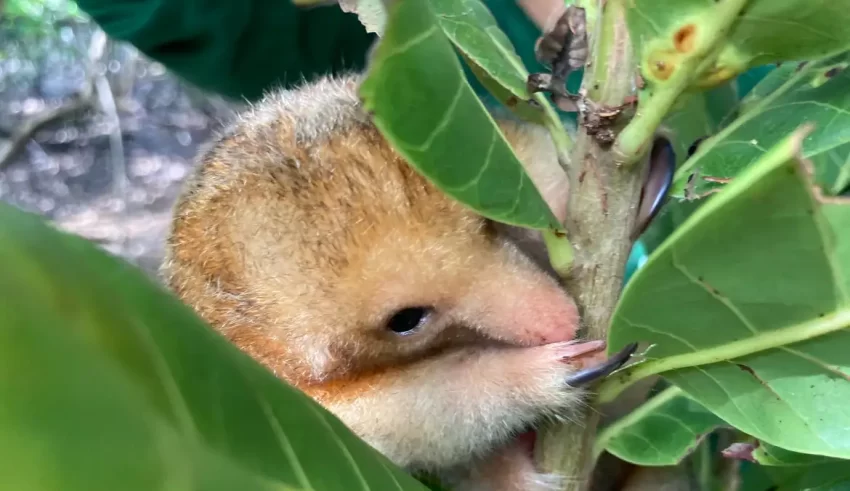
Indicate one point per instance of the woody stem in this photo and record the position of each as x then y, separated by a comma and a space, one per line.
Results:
602, 210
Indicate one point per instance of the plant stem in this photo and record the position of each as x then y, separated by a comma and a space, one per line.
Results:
635, 137
765, 340
602, 207
706, 475
561, 139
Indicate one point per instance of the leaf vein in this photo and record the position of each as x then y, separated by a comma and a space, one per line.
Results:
410, 43
444, 121
817, 362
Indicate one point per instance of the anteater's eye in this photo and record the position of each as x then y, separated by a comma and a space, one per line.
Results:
408, 320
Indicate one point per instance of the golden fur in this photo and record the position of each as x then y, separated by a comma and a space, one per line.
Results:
302, 232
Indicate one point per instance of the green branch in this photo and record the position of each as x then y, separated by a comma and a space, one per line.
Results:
634, 139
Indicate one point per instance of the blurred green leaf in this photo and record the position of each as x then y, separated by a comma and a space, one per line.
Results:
473, 30
827, 475
423, 105
775, 107
525, 109
696, 115
773, 31
833, 476
765, 31
769, 85
747, 306
754, 477
108, 382
662, 431
767, 454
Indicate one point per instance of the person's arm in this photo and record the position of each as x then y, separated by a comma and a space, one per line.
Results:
238, 48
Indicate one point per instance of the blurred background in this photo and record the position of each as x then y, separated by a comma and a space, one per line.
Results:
93, 135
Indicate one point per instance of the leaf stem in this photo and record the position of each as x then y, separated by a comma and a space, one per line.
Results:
634, 138
562, 140
765, 340
601, 214
608, 37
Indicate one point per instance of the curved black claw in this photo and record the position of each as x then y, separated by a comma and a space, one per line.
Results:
659, 179
584, 377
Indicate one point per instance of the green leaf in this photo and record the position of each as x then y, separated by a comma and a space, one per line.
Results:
108, 382
771, 111
697, 115
789, 471
833, 476
760, 32
770, 84
662, 431
525, 109
473, 30
747, 306
755, 478
771, 31
491, 57
767, 454
424, 106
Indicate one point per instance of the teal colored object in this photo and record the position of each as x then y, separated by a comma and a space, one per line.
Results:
637, 258
749, 79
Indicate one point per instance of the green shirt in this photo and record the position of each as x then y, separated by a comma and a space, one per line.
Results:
241, 48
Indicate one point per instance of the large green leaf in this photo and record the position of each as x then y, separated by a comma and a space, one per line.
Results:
759, 32
794, 471
108, 382
767, 454
486, 50
423, 105
834, 476
662, 431
473, 30
747, 306
774, 108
